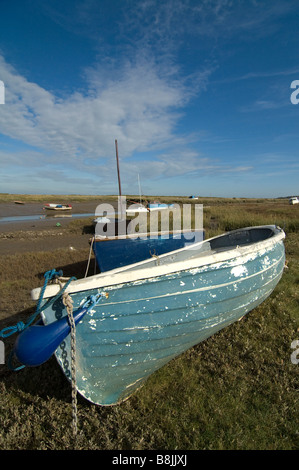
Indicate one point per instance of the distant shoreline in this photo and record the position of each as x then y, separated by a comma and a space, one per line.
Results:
68, 198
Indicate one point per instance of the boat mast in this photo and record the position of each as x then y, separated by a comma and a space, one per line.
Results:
139, 189
119, 184
117, 162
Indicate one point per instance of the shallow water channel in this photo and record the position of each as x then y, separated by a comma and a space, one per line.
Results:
28, 218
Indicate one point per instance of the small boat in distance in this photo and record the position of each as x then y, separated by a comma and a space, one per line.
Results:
58, 207
152, 311
136, 207
158, 206
147, 207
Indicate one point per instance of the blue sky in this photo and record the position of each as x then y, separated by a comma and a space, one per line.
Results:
197, 94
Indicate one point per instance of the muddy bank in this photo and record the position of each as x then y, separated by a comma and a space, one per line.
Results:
46, 233
10, 209
41, 218
46, 241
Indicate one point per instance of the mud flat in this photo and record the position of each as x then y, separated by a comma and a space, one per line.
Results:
44, 232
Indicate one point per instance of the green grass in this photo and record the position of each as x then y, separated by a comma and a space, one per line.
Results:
238, 390
234, 215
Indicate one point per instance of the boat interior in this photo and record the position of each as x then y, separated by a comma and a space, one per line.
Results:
227, 241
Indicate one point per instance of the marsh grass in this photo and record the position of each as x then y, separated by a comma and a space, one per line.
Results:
236, 390
29, 198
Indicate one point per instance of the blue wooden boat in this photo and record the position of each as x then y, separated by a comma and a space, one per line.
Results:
158, 308
120, 250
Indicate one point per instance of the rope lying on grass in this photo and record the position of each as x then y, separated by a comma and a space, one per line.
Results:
67, 301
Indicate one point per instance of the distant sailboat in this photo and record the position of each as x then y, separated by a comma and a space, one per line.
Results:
58, 207
148, 206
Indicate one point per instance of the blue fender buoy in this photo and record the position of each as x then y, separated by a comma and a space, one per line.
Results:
36, 344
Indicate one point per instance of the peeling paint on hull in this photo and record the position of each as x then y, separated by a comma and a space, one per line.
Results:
150, 319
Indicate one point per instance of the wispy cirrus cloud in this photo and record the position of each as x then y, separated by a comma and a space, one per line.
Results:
135, 91
72, 139
139, 108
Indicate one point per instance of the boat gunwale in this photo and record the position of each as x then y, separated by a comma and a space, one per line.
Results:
131, 273
144, 236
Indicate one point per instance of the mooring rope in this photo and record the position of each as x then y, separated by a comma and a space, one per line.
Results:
153, 255
20, 326
89, 257
68, 303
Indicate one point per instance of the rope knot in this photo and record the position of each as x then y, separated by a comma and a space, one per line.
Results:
52, 273
20, 326
67, 301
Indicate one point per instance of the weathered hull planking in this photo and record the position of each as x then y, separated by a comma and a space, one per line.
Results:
159, 308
